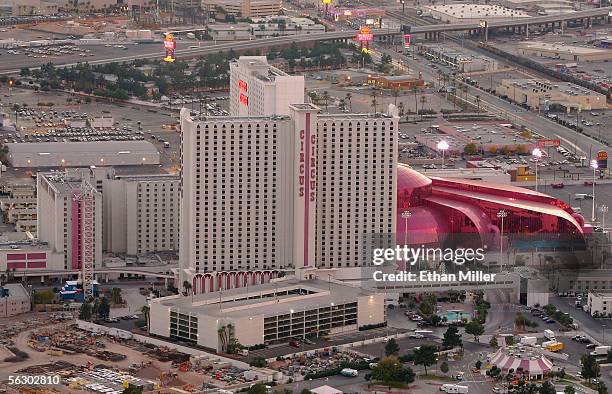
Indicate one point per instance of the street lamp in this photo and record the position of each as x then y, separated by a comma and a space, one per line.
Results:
537, 153
595, 167
443, 146
501, 215
603, 208
406, 215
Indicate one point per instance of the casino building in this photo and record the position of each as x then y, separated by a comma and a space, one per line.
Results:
441, 208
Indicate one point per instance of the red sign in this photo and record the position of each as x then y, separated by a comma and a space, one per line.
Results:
244, 99
406, 41
549, 143
242, 85
169, 46
602, 155
365, 34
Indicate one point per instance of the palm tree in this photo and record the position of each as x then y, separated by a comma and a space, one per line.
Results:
186, 286
439, 76
326, 98
478, 102
423, 100
395, 93
374, 101
400, 107
146, 314
415, 90
465, 90
348, 99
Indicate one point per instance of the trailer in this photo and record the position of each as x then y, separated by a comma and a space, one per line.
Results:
549, 334
530, 341
600, 351
454, 388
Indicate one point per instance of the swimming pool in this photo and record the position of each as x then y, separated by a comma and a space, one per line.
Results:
457, 315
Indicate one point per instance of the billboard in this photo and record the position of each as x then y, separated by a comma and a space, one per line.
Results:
169, 47
549, 143
406, 41
602, 159
365, 34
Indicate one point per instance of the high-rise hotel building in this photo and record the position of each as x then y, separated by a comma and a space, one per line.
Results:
262, 194
257, 88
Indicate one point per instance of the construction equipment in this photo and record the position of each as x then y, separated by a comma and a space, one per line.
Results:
86, 200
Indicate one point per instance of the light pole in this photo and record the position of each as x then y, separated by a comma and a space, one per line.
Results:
406, 215
537, 154
595, 166
501, 215
603, 208
443, 146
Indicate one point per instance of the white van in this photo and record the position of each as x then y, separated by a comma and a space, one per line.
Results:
580, 196
454, 388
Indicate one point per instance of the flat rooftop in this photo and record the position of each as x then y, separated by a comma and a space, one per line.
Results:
117, 147
562, 47
270, 299
547, 86
468, 11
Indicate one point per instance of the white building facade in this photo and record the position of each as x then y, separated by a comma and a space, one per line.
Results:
258, 89
261, 195
60, 219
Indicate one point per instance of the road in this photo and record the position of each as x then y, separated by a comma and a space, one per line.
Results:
532, 120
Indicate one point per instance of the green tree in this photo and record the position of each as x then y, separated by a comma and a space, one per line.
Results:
390, 369
428, 305
426, 356
392, 348
521, 321
602, 388
257, 389
44, 296
452, 338
24, 72
146, 314
470, 149
85, 312
509, 340
474, 328
590, 367
569, 390
104, 308
609, 357
116, 296
547, 388
258, 362
444, 367
186, 286
132, 390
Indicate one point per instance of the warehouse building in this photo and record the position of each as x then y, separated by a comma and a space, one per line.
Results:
82, 154
564, 52
14, 300
270, 313
542, 94
471, 13
600, 304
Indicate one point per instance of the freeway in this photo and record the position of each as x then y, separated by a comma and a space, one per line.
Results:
9, 68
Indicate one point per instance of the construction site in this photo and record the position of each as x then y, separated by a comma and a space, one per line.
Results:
94, 362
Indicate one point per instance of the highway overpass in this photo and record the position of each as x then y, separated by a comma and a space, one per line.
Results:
432, 30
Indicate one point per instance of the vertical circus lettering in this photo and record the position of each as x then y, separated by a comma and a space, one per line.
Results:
313, 166
302, 166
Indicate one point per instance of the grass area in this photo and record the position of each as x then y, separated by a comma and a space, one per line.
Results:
436, 377
395, 385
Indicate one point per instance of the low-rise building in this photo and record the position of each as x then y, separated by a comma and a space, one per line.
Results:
230, 31
82, 154
462, 60
471, 13
564, 51
274, 26
270, 313
19, 203
600, 303
14, 300
405, 82
542, 94
245, 8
